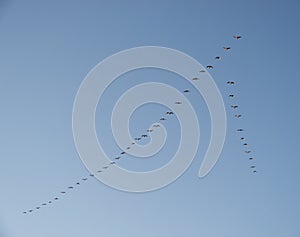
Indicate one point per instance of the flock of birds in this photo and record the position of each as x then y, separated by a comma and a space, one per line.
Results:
145, 136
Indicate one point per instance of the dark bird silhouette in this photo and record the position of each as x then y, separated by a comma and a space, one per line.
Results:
149, 130
91, 175
44, 204
218, 58
71, 187
209, 67
234, 106
195, 78
84, 179
112, 163
30, 211
169, 112
117, 158
63, 192
231, 95
251, 158
105, 167
242, 138
240, 130
123, 152
226, 48
178, 103
237, 37
186, 91
162, 119
144, 135
99, 171
56, 198
252, 167
230, 82
202, 71
245, 144
78, 183
24, 212
37, 208
247, 152
156, 125
238, 115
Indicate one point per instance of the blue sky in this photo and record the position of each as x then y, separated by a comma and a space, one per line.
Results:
46, 50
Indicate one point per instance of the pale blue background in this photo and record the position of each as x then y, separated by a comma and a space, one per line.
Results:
47, 48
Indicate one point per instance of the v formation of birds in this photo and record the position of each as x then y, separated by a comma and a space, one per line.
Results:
168, 114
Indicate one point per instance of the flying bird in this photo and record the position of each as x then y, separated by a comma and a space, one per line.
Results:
178, 102
63, 192
123, 152
112, 163
156, 125
162, 119
245, 144
230, 82
237, 37
240, 129
251, 158
252, 167
242, 138
234, 106
117, 158
217, 57
231, 95
84, 179
186, 91
247, 152
209, 67
149, 130
226, 48
71, 187
195, 78
144, 135
202, 71
238, 115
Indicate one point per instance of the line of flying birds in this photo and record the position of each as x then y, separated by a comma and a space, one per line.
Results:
145, 136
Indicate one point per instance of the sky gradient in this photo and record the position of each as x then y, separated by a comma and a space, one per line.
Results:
46, 50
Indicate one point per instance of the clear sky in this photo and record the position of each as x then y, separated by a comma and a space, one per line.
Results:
46, 50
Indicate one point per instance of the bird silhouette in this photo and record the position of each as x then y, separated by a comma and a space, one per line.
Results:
237, 37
